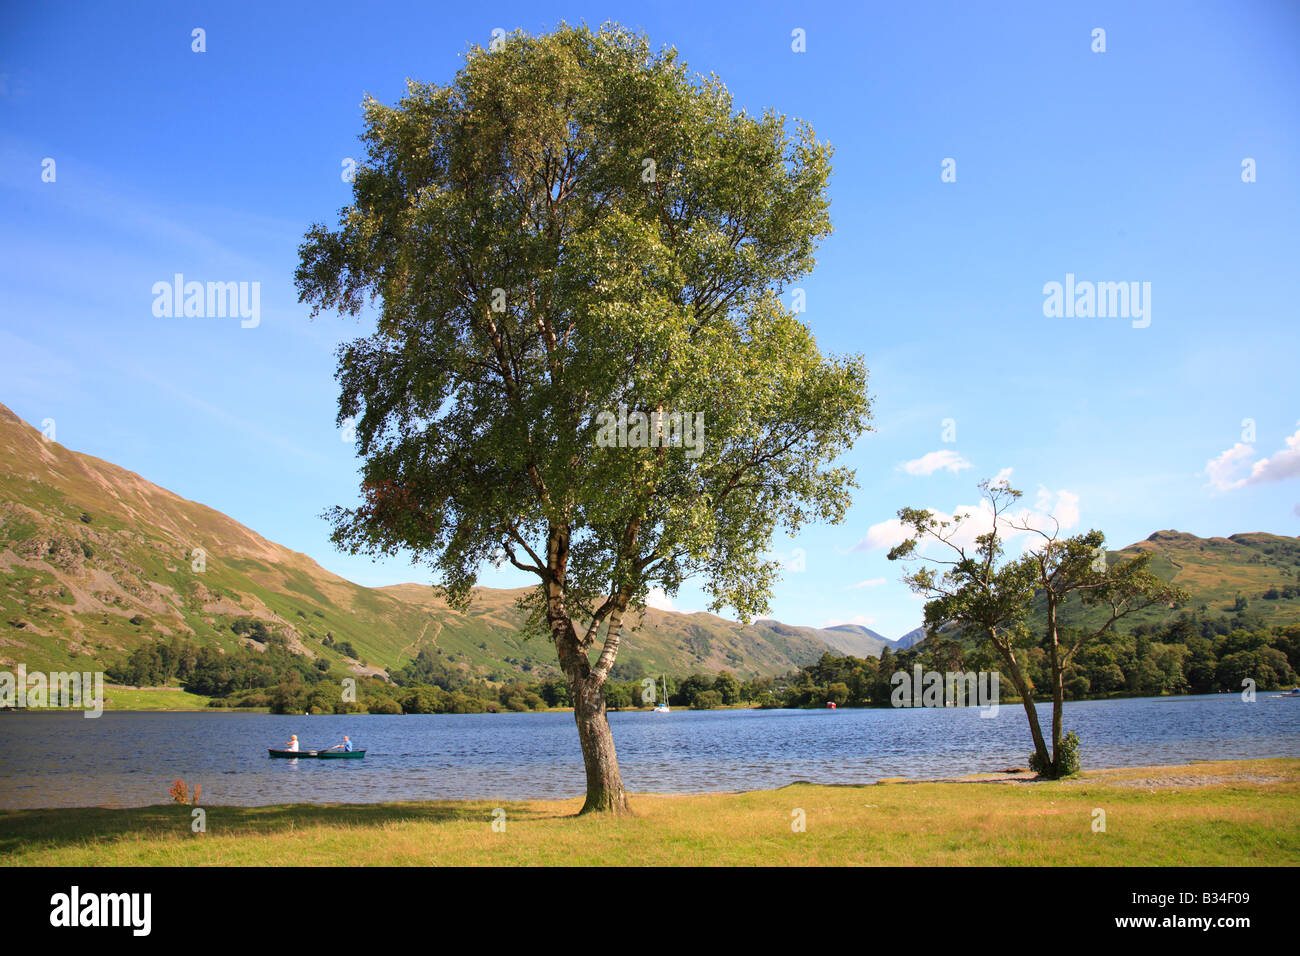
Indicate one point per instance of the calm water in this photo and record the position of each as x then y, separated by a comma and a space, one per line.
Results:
54, 760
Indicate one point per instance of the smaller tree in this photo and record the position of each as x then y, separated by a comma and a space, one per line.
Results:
991, 597
1077, 567
727, 685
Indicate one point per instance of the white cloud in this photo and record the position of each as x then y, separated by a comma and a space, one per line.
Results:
796, 561
659, 600
1226, 471
885, 534
1050, 512
869, 583
1223, 470
1066, 509
1283, 464
935, 461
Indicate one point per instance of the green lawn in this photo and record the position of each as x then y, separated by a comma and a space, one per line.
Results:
1212, 814
152, 698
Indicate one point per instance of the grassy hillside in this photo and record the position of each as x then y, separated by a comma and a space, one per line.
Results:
1258, 568
1251, 579
95, 561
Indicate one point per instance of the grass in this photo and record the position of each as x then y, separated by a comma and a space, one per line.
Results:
118, 698
1224, 813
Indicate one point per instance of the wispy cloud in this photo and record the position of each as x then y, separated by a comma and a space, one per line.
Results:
869, 583
216, 412
1052, 510
928, 464
658, 599
1228, 470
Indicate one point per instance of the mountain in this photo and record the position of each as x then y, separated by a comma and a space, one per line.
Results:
1260, 569
856, 640
95, 560
913, 637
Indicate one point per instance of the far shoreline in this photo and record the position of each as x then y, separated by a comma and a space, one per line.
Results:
201, 705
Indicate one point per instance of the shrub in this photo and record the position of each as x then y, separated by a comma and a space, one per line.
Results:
1067, 759
706, 700
182, 795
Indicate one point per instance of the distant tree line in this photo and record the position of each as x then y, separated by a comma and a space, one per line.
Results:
1193, 655
1189, 656
212, 673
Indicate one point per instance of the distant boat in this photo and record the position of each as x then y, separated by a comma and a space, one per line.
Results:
662, 708
830, 705
321, 754
1292, 694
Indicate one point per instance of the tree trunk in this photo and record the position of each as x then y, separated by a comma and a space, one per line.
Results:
1058, 687
605, 791
1026, 698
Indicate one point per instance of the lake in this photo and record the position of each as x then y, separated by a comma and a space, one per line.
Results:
130, 759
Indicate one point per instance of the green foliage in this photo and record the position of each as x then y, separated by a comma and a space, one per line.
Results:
985, 593
251, 627
728, 688
427, 668
617, 696
706, 700
1066, 761
1153, 661
519, 697
555, 693
531, 275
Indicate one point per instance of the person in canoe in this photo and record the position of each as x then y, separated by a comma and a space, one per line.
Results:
346, 745
292, 744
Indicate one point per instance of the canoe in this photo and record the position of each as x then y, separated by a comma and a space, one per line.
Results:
321, 754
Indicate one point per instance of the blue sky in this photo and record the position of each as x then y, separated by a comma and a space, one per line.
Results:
1115, 166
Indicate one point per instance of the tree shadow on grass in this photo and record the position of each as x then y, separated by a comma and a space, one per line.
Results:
21, 829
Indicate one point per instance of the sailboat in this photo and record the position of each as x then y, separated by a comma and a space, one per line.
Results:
662, 706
